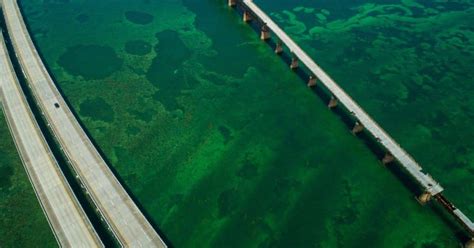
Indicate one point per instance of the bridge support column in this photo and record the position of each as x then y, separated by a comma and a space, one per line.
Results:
424, 198
279, 47
357, 128
294, 63
231, 3
469, 244
388, 158
333, 102
247, 17
312, 81
265, 33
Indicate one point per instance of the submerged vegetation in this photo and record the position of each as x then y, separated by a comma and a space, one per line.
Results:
408, 63
223, 146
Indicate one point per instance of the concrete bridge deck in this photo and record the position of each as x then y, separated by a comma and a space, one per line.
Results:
69, 223
394, 150
122, 215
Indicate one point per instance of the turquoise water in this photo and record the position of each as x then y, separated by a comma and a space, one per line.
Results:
220, 143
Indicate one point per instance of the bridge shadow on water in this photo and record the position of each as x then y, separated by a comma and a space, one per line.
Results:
84, 199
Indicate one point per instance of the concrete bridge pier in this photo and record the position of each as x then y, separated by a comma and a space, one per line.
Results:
265, 33
333, 102
424, 198
388, 158
247, 17
357, 128
279, 47
231, 3
394, 152
469, 244
312, 81
294, 63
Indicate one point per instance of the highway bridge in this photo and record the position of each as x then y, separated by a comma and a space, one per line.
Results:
394, 152
67, 219
123, 217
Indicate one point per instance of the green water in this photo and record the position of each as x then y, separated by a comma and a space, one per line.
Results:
219, 142
22, 222
409, 64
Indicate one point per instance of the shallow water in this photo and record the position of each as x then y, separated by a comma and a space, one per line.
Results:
219, 142
409, 64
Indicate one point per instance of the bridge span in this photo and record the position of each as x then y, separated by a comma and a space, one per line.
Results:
121, 214
67, 219
363, 121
